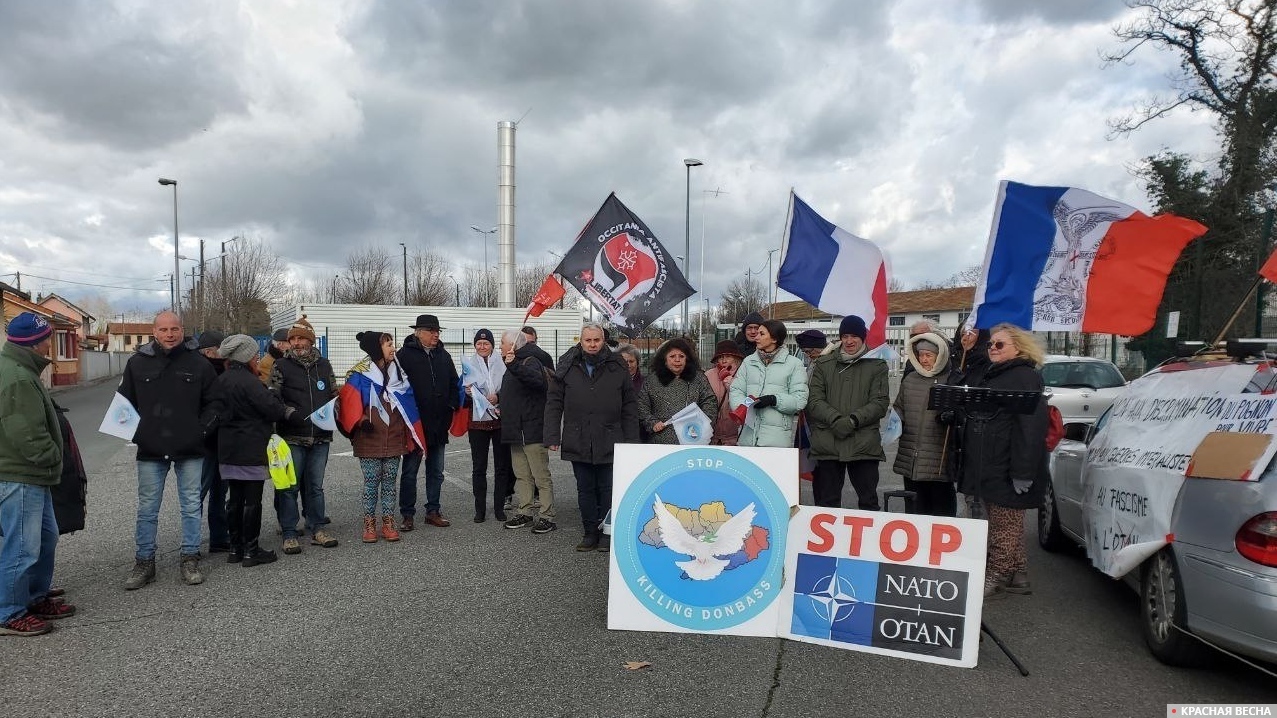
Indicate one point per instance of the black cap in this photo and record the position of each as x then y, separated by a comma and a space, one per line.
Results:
211, 339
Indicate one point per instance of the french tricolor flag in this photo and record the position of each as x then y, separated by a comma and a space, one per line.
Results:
834, 270
1064, 259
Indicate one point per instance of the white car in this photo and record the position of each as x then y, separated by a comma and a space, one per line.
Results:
1082, 388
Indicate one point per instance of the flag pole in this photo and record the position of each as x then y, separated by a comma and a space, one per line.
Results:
784, 245
1237, 312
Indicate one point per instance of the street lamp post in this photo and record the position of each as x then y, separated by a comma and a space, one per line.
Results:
688, 164
177, 271
486, 233
405, 273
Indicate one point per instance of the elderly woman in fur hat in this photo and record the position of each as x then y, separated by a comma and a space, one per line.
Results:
920, 456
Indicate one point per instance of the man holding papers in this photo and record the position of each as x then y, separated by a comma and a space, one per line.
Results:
171, 385
304, 380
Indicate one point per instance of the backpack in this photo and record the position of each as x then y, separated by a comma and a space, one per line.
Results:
1054, 427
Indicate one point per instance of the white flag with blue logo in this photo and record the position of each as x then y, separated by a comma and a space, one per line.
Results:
325, 416
692, 426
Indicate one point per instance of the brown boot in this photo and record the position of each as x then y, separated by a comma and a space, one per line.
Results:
370, 529
388, 531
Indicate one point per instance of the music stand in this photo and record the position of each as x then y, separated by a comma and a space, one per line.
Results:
982, 404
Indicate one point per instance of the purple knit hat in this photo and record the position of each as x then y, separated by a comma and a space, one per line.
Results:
28, 329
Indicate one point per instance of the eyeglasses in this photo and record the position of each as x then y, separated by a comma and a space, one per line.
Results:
999, 345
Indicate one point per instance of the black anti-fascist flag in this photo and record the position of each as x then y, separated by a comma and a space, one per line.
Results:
622, 269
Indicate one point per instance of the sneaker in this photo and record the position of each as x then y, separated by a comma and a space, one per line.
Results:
588, 543
543, 526
605, 543
1018, 584
55, 592
322, 539
49, 609
508, 505
519, 522
143, 573
191, 575
292, 546
25, 625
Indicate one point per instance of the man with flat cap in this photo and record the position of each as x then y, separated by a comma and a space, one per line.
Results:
275, 350
434, 381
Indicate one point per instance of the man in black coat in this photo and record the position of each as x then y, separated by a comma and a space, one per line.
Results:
542, 355
590, 407
434, 382
212, 486
171, 386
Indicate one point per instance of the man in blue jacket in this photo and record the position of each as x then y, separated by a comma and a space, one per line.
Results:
171, 385
30, 463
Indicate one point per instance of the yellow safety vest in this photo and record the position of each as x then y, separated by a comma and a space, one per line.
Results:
279, 459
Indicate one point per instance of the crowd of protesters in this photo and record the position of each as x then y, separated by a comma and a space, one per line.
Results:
208, 408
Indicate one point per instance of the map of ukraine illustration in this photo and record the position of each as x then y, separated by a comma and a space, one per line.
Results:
708, 518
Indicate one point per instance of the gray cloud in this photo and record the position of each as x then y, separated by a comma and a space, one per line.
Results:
374, 123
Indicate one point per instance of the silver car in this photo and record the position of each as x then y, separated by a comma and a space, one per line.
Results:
1082, 388
1217, 579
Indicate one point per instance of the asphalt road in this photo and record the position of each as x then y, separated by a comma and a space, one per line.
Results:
474, 620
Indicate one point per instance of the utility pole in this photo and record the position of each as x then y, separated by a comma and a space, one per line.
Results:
405, 273
202, 320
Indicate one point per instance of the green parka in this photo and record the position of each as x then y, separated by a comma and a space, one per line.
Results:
30, 439
848, 399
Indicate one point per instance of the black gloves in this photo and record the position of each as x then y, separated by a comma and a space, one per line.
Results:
844, 426
765, 401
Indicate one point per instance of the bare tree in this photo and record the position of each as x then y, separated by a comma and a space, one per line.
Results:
741, 298
896, 284
429, 279
480, 286
369, 278
240, 290
101, 309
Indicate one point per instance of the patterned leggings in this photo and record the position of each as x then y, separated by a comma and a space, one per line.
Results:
1006, 541
380, 473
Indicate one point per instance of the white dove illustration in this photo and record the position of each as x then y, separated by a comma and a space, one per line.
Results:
704, 550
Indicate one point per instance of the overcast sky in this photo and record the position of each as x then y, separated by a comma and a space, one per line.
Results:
325, 126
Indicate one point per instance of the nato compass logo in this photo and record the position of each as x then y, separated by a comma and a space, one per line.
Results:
901, 608
710, 528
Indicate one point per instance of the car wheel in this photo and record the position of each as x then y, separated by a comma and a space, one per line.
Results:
1050, 537
1164, 611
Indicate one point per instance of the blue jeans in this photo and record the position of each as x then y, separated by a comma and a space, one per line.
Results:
26, 554
150, 490
213, 496
309, 462
434, 480
593, 493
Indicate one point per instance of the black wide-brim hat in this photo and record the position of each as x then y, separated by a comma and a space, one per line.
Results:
426, 321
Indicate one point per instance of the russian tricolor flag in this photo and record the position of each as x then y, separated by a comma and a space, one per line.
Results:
834, 270
1064, 259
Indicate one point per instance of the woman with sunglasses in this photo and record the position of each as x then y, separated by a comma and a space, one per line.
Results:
1005, 458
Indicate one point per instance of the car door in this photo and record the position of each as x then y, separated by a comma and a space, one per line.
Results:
1070, 463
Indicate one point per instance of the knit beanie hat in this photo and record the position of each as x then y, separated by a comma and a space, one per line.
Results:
812, 339
280, 335
210, 339
238, 347
751, 318
302, 328
484, 334
370, 342
852, 324
28, 329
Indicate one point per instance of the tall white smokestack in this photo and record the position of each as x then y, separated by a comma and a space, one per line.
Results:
505, 213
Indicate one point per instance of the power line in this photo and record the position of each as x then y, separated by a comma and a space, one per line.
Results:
90, 284
91, 274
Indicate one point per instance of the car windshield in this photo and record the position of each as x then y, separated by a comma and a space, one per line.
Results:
1077, 374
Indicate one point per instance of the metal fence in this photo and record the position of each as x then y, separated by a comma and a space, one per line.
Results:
342, 349
98, 365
